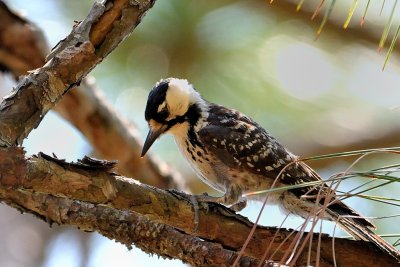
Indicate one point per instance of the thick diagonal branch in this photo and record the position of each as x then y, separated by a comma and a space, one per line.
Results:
24, 48
94, 182
106, 25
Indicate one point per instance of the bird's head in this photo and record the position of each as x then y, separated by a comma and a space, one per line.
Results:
171, 103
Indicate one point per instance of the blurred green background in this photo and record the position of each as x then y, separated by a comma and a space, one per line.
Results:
316, 97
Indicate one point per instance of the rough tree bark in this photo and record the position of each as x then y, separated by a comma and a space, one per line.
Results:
24, 48
106, 25
92, 197
54, 190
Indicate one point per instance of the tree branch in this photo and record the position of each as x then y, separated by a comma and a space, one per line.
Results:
125, 227
22, 47
84, 107
106, 25
93, 181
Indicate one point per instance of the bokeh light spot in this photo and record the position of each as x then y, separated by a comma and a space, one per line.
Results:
303, 71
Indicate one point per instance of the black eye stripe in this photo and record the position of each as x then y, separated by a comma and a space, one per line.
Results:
164, 113
192, 116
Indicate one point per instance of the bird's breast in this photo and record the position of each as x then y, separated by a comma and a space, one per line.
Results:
201, 162
216, 174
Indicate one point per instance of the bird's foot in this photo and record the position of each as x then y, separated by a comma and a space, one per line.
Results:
232, 198
195, 203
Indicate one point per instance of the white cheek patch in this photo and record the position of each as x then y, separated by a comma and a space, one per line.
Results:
161, 106
178, 97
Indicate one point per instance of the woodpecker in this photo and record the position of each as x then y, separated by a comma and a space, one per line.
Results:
234, 155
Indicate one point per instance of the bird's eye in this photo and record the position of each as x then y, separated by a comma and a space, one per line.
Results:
163, 114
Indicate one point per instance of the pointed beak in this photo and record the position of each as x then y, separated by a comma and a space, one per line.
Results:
151, 137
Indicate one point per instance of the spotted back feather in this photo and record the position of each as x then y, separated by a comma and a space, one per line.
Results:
239, 142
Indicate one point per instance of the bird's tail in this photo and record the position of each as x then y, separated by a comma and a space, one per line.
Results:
354, 223
357, 228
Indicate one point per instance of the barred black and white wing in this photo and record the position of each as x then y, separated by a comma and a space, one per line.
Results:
239, 142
